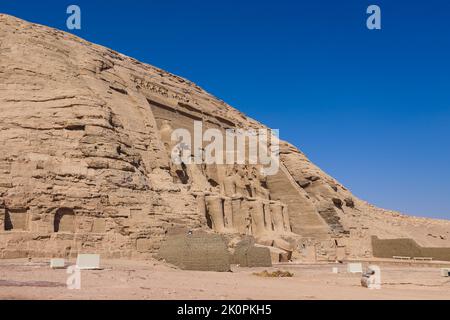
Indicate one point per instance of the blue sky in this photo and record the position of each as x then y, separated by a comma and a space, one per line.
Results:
371, 108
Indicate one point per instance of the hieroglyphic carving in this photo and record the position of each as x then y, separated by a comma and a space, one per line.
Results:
151, 86
162, 91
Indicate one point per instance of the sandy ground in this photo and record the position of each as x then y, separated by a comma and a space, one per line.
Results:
20, 279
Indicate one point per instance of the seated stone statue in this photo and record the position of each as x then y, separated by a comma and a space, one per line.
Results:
229, 184
234, 184
214, 206
258, 191
197, 178
166, 134
242, 182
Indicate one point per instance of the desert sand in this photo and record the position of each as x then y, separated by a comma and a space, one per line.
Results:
151, 280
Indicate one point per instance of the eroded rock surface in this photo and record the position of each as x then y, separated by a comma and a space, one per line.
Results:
85, 164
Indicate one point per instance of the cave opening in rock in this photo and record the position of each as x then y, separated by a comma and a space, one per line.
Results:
8, 223
15, 219
64, 220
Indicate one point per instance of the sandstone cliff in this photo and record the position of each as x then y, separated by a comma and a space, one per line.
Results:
84, 164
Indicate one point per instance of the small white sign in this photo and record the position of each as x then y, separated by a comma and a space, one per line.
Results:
88, 261
354, 268
57, 263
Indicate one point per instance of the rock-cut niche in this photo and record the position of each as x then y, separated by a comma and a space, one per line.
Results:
16, 220
64, 220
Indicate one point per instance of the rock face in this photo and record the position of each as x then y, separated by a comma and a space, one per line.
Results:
196, 251
85, 164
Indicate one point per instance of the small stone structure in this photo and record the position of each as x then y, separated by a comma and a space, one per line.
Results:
354, 268
196, 251
88, 261
389, 248
246, 254
57, 263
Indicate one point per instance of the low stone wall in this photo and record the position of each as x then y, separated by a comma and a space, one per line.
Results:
247, 255
387, 248
197, 251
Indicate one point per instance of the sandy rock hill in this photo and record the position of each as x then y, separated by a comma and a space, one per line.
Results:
84, 163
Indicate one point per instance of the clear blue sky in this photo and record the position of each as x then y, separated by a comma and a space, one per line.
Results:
371, 108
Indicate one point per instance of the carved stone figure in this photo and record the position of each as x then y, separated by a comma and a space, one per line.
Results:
268, 217
214, 205
258, 191
257, 215
242, 183
166, 134
286, 222
276, 210
239, 215
229, 184
197, 178
228, 213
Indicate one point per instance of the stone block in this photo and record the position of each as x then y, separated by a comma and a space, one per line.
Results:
354, 268
196, 251
88, 261
57, 263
